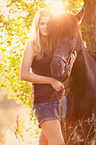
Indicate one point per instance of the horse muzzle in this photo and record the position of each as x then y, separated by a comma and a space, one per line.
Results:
58, 67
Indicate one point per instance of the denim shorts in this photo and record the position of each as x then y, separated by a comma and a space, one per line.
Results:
50, 111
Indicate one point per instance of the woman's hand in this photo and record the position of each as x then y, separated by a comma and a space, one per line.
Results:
73, 57
72, 60
57, 85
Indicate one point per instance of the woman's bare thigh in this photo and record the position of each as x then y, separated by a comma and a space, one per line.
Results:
42, 139
52, 131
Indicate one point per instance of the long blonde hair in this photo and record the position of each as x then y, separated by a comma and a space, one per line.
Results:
34, 34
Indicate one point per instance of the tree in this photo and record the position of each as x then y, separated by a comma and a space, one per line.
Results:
89, 24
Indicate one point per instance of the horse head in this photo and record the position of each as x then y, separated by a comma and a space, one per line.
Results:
65, 34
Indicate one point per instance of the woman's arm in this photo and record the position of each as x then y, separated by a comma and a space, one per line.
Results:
26, 75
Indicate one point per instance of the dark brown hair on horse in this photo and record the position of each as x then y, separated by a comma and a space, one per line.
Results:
66, 38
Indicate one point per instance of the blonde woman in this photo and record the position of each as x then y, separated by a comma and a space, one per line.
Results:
37, 55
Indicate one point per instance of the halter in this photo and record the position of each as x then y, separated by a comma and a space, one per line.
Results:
67, 62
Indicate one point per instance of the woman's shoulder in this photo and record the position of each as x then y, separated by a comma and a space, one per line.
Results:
31, 47
29, 43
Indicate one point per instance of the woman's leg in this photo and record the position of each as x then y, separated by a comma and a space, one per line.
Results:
52, 131
42, 139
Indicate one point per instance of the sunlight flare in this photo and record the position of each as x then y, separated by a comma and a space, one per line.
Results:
56, 7
82, 3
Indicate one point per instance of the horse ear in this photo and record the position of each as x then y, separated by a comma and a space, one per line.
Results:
80, 15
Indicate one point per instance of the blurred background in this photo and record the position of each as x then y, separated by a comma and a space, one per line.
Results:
11, 116
9, 110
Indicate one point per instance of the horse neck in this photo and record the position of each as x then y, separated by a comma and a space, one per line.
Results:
83, 68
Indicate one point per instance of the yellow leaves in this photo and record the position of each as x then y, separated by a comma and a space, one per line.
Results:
10, 96
2, 85
7, 90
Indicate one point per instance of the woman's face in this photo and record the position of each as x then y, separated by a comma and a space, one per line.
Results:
43, 25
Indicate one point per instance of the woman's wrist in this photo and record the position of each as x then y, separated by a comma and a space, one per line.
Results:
50, 80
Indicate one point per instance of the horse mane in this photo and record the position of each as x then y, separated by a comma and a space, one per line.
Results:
65, 24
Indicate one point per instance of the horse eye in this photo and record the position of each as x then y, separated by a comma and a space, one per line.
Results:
73, 37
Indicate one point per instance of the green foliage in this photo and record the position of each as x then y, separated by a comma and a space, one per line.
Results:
74, 6
14, 33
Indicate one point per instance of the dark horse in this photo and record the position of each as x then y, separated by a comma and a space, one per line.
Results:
66, 38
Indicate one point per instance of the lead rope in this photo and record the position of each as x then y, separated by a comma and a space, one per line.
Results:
60, 104
69, 68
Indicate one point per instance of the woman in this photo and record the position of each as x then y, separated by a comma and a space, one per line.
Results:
37, 55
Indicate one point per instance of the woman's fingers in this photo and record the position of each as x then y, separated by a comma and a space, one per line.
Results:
57, 85
60, 87
73, 57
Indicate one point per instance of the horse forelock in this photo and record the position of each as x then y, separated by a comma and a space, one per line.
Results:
63, 25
